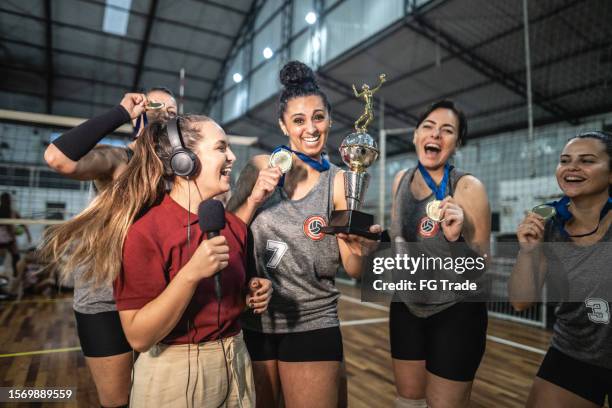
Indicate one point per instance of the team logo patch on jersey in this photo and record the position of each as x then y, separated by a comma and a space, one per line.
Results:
312, 227
428, 227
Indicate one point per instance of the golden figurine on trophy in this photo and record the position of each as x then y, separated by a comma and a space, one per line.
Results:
358, 151
367, 95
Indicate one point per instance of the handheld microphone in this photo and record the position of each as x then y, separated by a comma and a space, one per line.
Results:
211, 217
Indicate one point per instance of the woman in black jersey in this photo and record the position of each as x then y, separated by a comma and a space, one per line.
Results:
577, 369
75, 154
437, 345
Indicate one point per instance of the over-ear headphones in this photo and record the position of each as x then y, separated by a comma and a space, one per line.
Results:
183, 162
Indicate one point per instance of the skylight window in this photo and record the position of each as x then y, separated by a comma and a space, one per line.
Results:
116, 16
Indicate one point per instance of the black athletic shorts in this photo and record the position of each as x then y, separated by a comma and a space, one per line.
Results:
101, 334
589, 381
314, 345
452, 342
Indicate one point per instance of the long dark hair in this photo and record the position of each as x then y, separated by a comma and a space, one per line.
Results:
450, 105
160, 89
298, 80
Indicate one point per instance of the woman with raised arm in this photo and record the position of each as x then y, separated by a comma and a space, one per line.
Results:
296, 346
77, 155
148, 241
571, 251
437, 344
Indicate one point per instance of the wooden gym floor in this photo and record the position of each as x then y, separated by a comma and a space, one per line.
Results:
39, 348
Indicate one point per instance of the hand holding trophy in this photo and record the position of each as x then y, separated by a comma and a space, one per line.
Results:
359, 151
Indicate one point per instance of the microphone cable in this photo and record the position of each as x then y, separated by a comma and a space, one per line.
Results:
186, 311
227, 376
193, 338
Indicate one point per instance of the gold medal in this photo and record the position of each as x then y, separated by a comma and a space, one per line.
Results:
433, 210
545, 211
154, 105
281, 158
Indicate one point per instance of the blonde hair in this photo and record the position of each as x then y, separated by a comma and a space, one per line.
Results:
93, 240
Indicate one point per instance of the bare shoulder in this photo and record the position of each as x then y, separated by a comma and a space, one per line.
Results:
114, 150
397, 179
471, 195
105, 157
469, 185
399, 175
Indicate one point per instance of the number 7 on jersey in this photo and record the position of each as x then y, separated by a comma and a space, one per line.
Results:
278, 249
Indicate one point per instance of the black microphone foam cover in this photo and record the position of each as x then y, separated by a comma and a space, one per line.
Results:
211, 216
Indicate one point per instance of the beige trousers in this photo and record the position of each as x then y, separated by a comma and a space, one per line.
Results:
194, 376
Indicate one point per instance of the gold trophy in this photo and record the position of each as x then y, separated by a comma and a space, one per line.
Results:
358, 151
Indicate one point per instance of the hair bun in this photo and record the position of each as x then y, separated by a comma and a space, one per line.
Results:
297, 74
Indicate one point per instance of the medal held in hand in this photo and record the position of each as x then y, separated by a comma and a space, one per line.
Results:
432, 209
281, 158
359, 151
155, 105
545, 211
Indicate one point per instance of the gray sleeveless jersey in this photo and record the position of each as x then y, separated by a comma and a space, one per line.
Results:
89, 299
411, 224
301, 261
583, 330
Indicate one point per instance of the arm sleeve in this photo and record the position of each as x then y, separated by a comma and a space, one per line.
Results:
142, 274
78, 141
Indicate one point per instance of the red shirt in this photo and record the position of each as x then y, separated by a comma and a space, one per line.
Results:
154, 251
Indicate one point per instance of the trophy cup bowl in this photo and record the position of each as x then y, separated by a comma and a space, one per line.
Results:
359, 151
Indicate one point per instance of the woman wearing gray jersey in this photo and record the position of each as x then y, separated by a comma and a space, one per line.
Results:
75, 155
577, 369
437, 342
296, 346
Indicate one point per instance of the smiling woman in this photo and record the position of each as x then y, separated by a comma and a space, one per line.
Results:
140, 236
453, 205
589, 149
577, 369
299, 340
76, 154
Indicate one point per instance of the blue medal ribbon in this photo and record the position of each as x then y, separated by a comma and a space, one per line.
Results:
439, 191
320, 167
563, 214
141, 118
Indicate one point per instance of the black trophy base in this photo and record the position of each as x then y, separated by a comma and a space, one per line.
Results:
351, 222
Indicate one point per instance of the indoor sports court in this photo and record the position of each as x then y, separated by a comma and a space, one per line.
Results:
119, 118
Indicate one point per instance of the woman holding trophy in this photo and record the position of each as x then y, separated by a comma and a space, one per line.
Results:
298, 340
437, 346
577, 369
